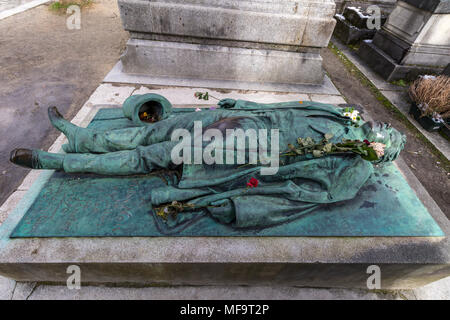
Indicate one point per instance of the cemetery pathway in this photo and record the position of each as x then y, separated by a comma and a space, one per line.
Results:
43, 63
426, 166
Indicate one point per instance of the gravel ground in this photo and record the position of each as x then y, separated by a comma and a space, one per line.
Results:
43, 63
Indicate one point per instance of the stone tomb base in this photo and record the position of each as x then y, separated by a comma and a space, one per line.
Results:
216, 62
350, 34
387, 67
324, 261
248, 41
351, 26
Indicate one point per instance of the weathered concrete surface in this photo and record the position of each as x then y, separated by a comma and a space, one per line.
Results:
210, 293
23, 290
10, 204
242, 41
210, 62
43, 64
117, 75
6, 288
303, 23
439, 290
11, 7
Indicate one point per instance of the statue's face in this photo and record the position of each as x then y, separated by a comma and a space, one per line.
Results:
376, 131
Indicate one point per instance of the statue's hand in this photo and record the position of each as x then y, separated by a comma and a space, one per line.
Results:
227, 103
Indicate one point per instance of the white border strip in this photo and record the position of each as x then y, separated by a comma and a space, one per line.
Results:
21, 8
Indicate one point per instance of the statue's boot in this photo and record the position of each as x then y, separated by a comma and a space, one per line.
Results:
22, 157
66, 127
37, 159
141, 160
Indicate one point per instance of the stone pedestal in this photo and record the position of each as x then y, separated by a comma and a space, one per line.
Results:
414, 40
253, 40
351, 26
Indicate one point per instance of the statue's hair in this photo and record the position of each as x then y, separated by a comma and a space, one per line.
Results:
397, 144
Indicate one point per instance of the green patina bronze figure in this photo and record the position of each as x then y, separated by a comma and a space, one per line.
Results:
330, 162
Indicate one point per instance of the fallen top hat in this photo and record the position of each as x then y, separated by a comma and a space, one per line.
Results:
153, 106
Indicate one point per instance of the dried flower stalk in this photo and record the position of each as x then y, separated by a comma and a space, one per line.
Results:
432, 94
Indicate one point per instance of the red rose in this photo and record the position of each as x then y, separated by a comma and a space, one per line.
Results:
253, 183
366, 142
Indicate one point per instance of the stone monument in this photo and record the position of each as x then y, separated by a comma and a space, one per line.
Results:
414, 40
352, 26
248, 41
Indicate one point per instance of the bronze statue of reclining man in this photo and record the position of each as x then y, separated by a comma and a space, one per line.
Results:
299, 184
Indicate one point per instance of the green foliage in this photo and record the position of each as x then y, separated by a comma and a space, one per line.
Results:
347, 109
354, 47
358, 147
202, 96
172, 209
56, 6
308, 146
64, 4
401, 83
